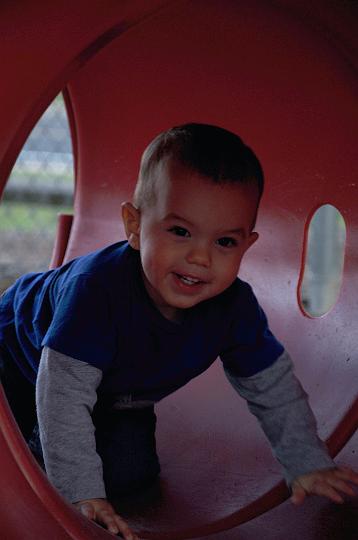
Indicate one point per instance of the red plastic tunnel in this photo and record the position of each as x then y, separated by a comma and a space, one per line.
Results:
282, 74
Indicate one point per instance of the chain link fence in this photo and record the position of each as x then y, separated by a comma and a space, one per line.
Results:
39, 187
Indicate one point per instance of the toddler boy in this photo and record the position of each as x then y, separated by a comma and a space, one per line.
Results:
109, 334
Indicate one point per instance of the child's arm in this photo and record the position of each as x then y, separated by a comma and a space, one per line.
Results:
278, 400
65, 397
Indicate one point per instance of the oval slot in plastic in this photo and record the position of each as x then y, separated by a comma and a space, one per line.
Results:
323, 262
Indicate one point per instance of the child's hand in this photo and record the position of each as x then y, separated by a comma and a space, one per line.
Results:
328, 483
101, 511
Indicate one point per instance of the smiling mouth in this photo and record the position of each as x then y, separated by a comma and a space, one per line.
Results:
188, 280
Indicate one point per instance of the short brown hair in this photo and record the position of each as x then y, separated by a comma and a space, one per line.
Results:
209, 150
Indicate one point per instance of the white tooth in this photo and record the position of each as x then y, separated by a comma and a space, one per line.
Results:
189, 281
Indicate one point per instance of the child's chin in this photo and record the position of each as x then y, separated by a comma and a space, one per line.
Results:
187, 304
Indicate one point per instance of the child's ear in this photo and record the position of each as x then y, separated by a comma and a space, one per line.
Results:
253, 237
131, 221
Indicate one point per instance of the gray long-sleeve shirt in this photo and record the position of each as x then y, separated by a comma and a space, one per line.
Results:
66, 395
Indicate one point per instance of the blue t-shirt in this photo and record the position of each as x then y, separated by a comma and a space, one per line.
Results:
96, 309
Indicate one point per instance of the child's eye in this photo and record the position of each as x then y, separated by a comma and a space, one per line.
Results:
179, 231
226, 241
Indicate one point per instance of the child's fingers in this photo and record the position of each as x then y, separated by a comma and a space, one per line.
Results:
115, 524
106, 518
341, 485
345, 473
124, 529
330, 483
337, 479
298, 494
87, 510
324, 489
103, 513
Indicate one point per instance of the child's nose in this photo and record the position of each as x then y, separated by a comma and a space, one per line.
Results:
200, 255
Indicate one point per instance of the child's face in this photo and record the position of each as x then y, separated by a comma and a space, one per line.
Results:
192, 238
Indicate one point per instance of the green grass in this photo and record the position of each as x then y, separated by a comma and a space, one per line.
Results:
19, 216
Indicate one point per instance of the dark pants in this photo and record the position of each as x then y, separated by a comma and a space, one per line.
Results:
20, 394
125, 440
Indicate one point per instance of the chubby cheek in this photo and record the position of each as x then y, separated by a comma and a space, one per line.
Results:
227, 273
148, 264
154, 260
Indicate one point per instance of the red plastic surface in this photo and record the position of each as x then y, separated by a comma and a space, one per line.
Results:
284, 76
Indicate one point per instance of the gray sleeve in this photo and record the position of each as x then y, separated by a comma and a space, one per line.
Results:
65, 397
277, 399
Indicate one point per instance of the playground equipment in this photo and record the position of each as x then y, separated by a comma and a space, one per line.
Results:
283, 75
